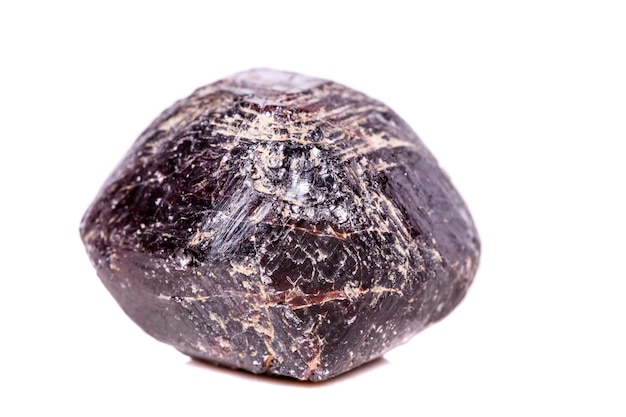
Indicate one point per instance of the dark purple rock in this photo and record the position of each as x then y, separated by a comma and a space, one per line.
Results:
281, 224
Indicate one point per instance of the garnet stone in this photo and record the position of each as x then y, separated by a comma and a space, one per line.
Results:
281, 224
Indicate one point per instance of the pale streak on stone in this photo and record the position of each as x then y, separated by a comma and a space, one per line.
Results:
254, 322
327, 232
346, 293
372, 143
218, 320
93, 234
316, 361
199, 236
199, 346
246, 270
270, 328
263, 300
112, 260
262, 129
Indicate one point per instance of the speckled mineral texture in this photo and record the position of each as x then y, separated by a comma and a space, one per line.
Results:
281, 224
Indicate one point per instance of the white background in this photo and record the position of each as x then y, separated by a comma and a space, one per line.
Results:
523, 103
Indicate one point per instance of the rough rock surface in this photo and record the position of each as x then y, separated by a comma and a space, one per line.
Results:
281, 224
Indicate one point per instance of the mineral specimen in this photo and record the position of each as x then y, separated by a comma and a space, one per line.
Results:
281, 224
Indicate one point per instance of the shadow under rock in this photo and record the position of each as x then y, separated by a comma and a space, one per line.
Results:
284, 380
